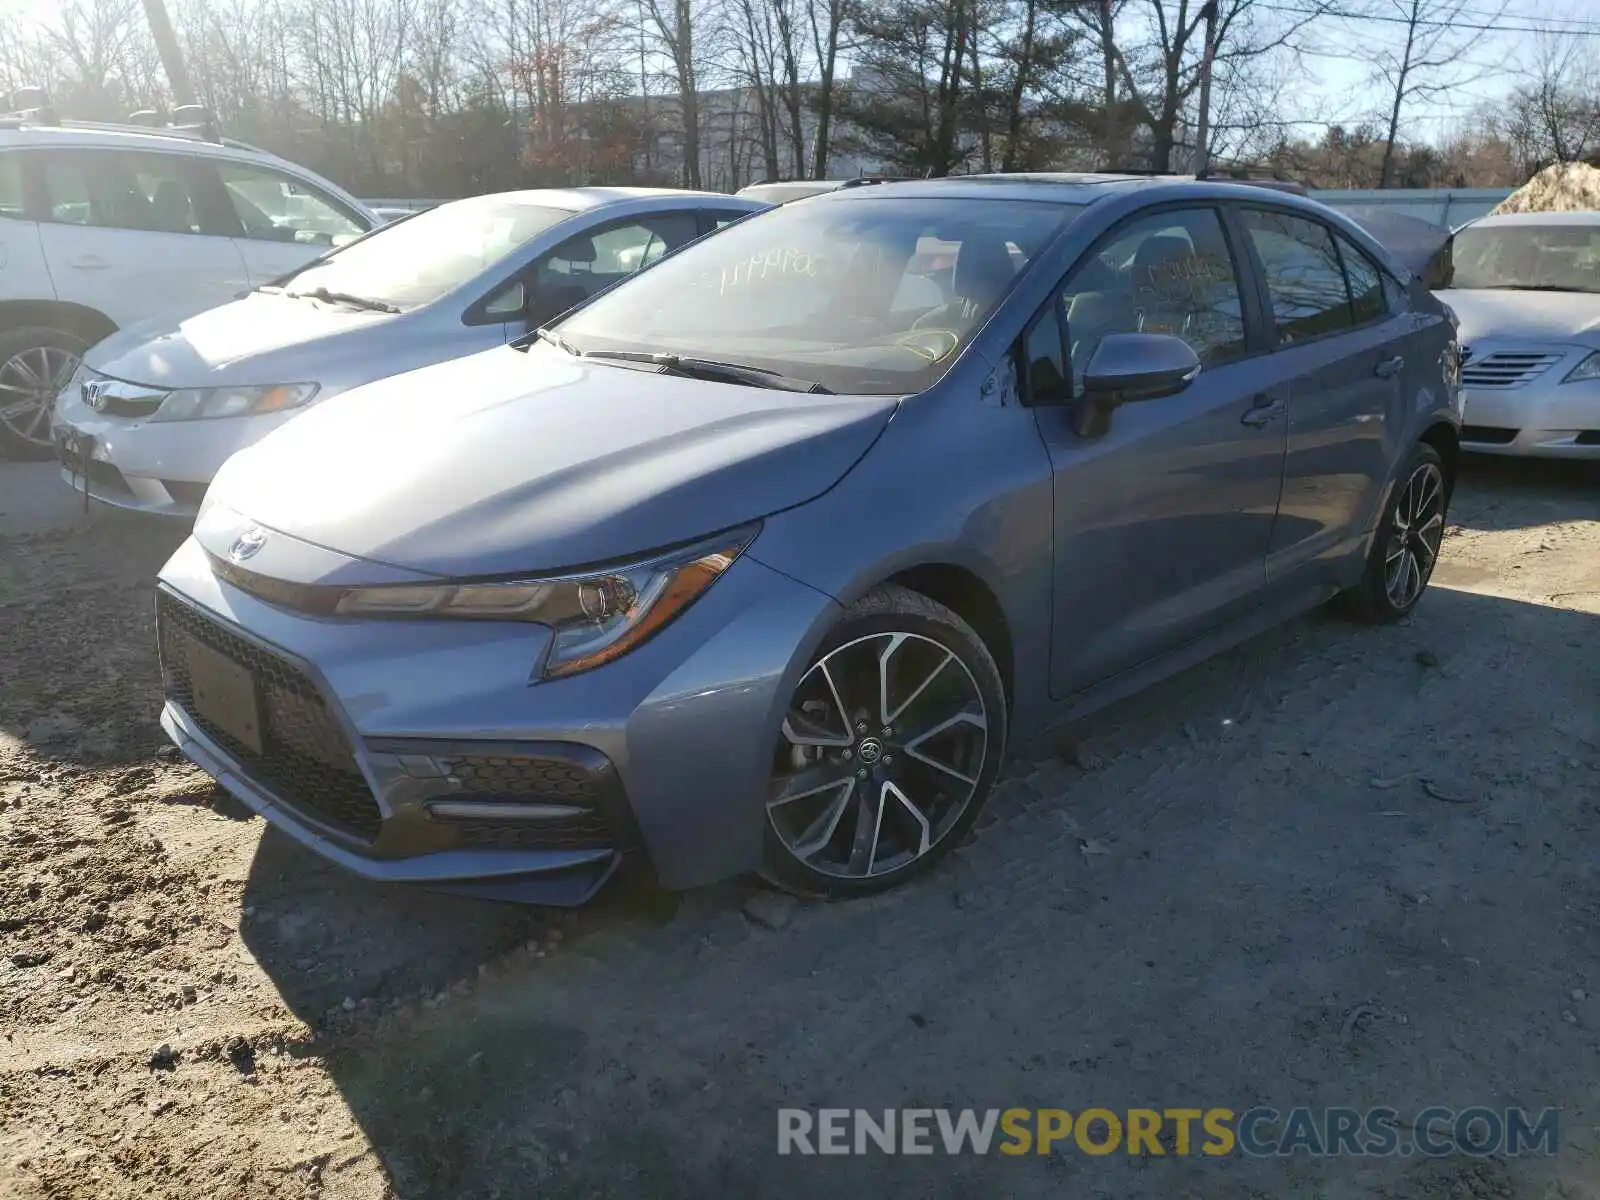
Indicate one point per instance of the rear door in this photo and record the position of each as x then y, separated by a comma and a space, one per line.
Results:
1340, 359
128, 233
1162, 522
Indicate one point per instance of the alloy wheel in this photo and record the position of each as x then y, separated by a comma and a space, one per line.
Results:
30, 381
881, 752
1415, 533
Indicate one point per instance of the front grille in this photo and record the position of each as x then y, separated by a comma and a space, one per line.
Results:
1489, 434
1507, 368
305, 759
530, 780
587, 831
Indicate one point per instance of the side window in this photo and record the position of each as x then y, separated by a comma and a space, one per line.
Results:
599, 259
112, 189
1304, 277
1367, 300
13, 195
1044, 366
1170, 272
274, 207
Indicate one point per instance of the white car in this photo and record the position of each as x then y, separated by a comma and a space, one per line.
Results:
103, 226
1526, 290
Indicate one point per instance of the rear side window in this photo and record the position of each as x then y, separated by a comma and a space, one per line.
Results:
1367, 301
13, 201
1303, 272
1171, 272
111, 189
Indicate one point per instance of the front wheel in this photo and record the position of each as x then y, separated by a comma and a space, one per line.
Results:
35, 364
889, 748
1407, 543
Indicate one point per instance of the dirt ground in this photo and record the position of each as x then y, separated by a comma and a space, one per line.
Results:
1337, 866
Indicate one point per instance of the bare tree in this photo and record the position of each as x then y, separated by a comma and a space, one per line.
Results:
826, 19
1421, 57
1554, 114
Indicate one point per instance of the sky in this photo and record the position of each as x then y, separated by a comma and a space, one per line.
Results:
1339, 66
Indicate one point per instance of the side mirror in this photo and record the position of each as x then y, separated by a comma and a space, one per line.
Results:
1129, 367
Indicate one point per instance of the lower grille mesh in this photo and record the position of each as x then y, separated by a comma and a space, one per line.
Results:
305, 759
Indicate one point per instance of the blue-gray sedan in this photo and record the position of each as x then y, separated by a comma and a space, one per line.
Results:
760, 560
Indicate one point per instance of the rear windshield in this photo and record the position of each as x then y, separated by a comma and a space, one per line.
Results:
417, 260
861, 295
1551, 258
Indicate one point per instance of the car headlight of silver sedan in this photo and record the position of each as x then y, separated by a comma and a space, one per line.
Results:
596, 617
1586, 371
194, 404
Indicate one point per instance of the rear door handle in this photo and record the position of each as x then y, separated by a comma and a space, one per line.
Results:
1262, 412
89, 262
1389, 367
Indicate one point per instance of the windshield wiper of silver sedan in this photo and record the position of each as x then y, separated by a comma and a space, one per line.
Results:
354, 301
710, 368
555, 339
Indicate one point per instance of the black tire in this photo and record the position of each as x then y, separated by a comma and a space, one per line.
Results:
1414, 534
28, 353
942, 779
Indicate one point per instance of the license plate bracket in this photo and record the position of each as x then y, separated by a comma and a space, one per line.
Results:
224, 693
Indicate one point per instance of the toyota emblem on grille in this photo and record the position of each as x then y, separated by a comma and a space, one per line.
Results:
247, 544
94, 394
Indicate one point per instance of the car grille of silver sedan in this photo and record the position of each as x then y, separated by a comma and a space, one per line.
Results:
1507, 368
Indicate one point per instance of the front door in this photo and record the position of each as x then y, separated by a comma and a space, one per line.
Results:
1162, 522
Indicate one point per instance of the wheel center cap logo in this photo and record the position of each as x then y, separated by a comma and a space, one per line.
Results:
870, 751
247, 544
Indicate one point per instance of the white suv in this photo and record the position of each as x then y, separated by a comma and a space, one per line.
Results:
102, 226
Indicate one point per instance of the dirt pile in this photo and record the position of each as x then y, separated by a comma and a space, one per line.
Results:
1564, 187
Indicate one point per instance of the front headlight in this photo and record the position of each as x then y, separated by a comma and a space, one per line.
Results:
193, 404
1588, 369
596, 617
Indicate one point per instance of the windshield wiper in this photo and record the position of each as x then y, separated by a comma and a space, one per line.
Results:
555, 339
710, 368
328, 297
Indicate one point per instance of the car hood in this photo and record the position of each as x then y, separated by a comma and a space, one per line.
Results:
516, 462
1568, 317
260, 338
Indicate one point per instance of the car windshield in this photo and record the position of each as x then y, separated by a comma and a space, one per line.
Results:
1562, 258
415, 261
861, 295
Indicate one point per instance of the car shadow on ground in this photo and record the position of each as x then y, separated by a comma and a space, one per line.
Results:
1321, 869
1519, 493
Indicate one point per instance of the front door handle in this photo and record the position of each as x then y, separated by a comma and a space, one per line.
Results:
1261, 413
1389, 367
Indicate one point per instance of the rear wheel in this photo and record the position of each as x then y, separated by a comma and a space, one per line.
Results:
36, 363
888, 750
1408, 541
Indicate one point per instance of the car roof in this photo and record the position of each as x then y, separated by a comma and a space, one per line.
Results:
1064, 187
579, 199
1583, 217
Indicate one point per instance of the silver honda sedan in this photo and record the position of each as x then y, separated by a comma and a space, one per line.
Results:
157, 408
1526, 290
762, 559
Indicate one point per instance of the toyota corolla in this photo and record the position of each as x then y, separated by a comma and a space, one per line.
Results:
760, 560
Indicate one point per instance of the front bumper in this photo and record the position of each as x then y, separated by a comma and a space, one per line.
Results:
1541, 417
156, 467
671, 746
